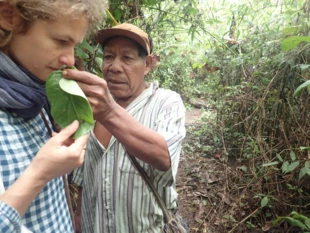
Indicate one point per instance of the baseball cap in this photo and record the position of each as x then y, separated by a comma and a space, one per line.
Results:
128, 30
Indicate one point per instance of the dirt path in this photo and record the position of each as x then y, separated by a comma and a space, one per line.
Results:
199, 181
215, 195
192, 116
206, 200
187, 207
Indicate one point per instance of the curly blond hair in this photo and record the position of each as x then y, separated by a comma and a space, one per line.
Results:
31, 10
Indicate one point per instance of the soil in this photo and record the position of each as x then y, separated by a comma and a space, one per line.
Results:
215, 194
188, 207
199, 185
210, 199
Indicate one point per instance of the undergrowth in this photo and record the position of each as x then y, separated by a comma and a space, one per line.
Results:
261, 133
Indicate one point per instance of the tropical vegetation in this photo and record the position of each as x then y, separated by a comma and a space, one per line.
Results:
249, 63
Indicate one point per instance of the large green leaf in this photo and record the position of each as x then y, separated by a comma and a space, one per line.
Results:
68, 103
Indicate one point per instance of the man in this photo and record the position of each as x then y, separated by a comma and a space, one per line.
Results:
36, 38
132, 116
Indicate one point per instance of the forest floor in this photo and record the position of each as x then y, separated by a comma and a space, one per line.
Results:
213, 197
201, 185
215, 194
191, 204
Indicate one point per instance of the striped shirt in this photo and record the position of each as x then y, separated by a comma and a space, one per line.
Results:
20, 140
115, 197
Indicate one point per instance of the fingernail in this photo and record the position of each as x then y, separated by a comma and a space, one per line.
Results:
64, 72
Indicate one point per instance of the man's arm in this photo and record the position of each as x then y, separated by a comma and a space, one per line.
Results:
142, 142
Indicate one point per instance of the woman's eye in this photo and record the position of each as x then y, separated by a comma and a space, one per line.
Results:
61, 41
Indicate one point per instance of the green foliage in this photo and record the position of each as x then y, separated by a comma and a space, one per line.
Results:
259, 119
296, 219
305, 170
205, 138
292, 42
68, 103
89, 56
302, 86
264, 201
174, 71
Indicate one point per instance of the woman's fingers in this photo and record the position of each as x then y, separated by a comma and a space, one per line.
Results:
68, 131
80, 143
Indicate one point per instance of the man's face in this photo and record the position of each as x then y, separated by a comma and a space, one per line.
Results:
124, 70
47, 45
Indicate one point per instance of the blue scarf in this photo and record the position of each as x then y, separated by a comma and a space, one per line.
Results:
20, 91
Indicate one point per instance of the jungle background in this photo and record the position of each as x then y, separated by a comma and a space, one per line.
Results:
242, 69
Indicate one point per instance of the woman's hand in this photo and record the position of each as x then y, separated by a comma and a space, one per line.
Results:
60, 155
56, 158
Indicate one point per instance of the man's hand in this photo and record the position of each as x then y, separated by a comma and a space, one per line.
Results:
96, 91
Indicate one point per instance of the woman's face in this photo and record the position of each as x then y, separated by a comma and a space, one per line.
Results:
47, 45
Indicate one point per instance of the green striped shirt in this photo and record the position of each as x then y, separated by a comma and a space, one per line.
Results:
115, 196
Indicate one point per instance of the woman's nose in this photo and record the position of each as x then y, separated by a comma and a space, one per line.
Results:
67, 58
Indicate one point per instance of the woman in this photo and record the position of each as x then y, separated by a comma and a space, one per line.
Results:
36, 38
